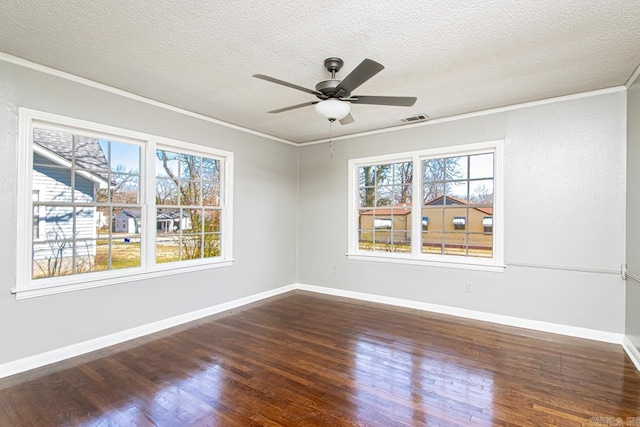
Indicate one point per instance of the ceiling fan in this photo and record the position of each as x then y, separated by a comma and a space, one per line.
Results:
335, 95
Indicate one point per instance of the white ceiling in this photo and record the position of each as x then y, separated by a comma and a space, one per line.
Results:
456, 56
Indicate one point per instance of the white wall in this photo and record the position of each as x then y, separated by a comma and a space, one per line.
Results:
632, 324
564, 206
265, 193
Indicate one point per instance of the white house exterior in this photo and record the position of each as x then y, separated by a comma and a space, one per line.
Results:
54, 226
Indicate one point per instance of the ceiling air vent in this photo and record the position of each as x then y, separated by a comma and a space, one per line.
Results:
413, 119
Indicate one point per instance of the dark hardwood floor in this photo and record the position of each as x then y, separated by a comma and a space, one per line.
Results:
305, 359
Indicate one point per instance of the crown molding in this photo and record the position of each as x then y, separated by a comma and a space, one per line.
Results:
633, 78
5, 57
474, 114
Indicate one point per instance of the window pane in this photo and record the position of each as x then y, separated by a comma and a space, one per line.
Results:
55, 183
191, 247
190, 167
90, 155
211, 245
58, 222
433, 193
85, 187
125, 158
167, 164
456, 192
192, 220
481, 166
365, 240
52, 258
433, 170
455, 219
456, 168
481, 192
126, 221
211, 220
210, 192
125, 252
367, 176
455, 244
402, 241
167, 248
384, 175
384, 195
365, 219
402, 173
432, 243
58, 143
125, 188
434, 218
86, 259
101, 260
189, 193
367, 197
481, 245
166, 192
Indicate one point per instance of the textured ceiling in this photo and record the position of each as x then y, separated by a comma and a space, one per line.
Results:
456, 56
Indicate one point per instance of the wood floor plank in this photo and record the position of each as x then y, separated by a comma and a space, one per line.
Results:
307, 359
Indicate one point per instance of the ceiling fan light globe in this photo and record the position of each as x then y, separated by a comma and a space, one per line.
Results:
333, 109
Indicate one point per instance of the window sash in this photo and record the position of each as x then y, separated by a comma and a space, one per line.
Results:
417, 226
27, 287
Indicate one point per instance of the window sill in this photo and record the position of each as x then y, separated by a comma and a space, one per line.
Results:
399, 259
118, 277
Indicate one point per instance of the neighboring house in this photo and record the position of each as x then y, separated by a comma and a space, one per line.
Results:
127, 221
169, 220
393, 224
52, 182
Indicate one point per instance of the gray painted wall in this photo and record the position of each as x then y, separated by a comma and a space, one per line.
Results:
632, 323
265, 193
564, 206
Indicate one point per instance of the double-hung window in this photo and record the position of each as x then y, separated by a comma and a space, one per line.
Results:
437, 207
109, 205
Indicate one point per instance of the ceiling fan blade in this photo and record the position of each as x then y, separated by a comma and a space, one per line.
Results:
346, 120
363, 72
293, 107
287, 84
400, 101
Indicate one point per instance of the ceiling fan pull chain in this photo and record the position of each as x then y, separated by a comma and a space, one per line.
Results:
330, 140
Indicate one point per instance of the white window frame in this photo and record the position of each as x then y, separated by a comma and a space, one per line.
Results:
26, 287
496, 263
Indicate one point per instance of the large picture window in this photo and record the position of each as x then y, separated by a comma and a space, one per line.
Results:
94, 216
438, 207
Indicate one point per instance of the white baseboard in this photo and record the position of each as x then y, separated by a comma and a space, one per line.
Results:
38, 360
632, 352
555, 328
42, 359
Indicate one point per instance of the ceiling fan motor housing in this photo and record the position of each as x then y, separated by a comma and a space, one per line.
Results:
328, 88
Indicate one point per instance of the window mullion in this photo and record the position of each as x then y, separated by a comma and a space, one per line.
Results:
416, 207
149, 209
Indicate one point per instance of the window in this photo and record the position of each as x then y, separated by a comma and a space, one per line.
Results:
384, 193
188, 221
437, 207
96, 219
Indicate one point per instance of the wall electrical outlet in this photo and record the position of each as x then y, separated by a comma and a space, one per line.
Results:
467, 287
334, 269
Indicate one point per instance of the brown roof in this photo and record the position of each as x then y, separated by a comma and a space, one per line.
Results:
387, 211
484, 209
